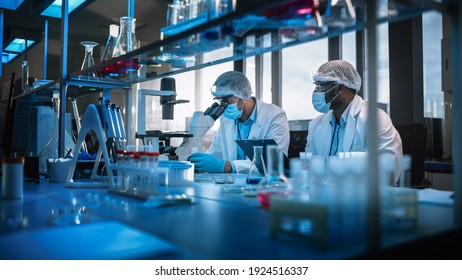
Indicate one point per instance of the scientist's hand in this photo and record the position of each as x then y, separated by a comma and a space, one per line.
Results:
207, 163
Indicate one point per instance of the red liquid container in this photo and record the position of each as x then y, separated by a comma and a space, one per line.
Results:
264, 197
121, 68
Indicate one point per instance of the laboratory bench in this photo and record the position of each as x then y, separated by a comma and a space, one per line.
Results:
54, 222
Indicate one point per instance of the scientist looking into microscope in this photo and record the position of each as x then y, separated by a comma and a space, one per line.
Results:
342, 127
245, 117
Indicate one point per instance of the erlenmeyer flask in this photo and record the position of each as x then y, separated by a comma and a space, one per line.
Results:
111, 42
126, 42
275, 182
257, 169
88, 60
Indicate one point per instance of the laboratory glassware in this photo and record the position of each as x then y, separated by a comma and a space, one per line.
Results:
25, 76
51, 148
110, 70
126, 43
111, 42
257, 169
88, 60
275, 183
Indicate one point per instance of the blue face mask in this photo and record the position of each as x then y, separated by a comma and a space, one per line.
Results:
319, 100
232, 112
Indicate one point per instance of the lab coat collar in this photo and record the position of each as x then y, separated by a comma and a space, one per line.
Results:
257, 119
351, 116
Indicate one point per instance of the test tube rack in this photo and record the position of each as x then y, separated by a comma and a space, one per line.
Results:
92, 121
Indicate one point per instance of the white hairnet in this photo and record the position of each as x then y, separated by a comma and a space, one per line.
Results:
339, 71
232, 83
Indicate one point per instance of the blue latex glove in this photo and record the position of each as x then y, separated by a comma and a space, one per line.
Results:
207, 163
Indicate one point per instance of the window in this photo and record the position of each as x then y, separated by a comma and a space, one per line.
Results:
349, 47
185, 89
298, 62
432, 34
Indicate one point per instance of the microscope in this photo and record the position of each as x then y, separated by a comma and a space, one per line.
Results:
200, 123
168, 99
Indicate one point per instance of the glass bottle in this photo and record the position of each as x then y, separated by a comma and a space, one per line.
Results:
111, 42
88, 60
257, 169
275, 182
126, 43
51, 148
25, 76
109, 70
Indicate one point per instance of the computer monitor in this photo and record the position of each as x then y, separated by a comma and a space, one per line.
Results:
6, 112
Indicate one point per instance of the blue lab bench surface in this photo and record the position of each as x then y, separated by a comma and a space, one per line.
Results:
54, 222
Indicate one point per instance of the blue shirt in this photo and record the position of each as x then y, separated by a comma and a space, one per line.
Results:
243, 130
338, 133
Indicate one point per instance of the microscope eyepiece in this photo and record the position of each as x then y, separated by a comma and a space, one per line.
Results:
216, 110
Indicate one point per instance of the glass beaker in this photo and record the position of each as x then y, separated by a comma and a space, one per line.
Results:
126, 42
257, 169
88, 60
275, 182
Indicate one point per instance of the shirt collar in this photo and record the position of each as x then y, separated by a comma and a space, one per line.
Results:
252, 117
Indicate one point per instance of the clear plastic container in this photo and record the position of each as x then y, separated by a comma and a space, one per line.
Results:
180, 173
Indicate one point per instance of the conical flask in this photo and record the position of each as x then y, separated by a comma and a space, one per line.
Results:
111, 42
88, 60
126, 43
275, 183
257, 169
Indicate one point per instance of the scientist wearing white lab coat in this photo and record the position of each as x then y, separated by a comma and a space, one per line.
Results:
342, 127
245, 117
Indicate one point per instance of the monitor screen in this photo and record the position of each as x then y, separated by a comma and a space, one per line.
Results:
6, 117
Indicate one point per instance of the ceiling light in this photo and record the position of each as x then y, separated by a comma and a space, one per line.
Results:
53, 8
11, 4
18, 45
14, 41
7, 57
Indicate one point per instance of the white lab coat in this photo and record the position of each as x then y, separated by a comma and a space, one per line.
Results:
355, 138
271, 123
